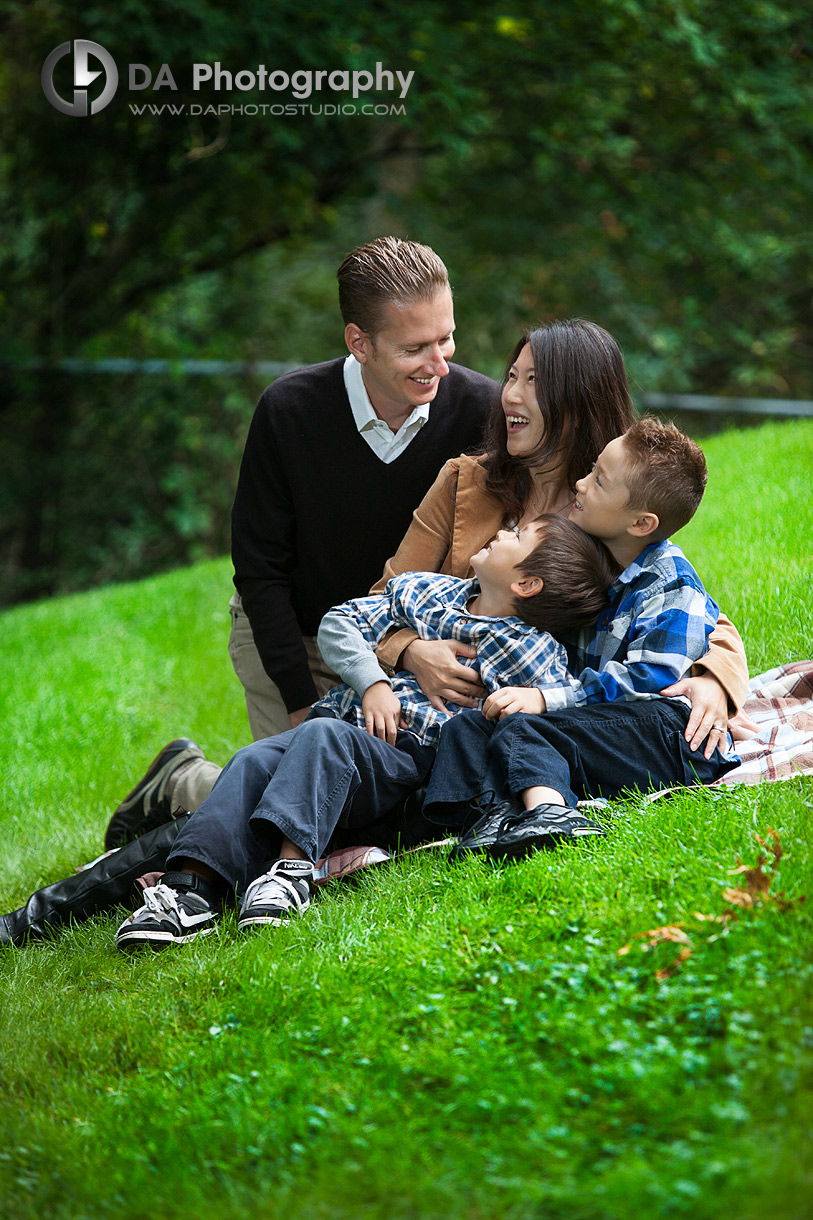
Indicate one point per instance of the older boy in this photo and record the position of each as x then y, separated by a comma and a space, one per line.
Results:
611, 730
371, 743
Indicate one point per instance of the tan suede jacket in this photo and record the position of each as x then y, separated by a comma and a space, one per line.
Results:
457, 516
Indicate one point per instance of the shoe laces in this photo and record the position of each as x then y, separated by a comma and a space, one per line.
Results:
276, 885
510, 819
514, 819
160, 899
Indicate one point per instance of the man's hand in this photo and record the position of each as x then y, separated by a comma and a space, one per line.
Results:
440, 675
299, 715
513, 699
709, 714
382, 711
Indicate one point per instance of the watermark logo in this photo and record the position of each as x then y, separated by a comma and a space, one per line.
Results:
303, 84
83, 76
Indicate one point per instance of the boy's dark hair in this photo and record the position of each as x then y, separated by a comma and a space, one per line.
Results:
666, 474
576, 571
385, 271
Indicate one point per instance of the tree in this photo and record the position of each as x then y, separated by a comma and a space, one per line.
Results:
645, 163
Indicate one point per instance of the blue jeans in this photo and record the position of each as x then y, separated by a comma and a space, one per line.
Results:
299, 785
601, 750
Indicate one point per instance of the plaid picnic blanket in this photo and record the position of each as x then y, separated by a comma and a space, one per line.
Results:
781, 703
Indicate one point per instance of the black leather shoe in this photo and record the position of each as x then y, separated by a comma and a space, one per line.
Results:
105, 884
142, 808
540, 827
480, 837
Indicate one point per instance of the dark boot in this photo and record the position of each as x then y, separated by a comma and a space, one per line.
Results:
108, 883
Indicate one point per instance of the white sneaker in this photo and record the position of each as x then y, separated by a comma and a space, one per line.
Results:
278, 895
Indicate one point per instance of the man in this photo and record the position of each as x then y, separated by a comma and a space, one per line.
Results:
337, 457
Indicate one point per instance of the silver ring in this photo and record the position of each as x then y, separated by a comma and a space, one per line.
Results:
719, 728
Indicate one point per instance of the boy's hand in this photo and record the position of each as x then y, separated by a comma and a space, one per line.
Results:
440, 675
513, 699
382, 711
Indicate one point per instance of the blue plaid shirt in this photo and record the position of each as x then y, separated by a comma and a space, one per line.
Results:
509, 652
657, 623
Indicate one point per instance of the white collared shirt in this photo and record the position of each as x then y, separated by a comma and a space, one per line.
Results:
385, 444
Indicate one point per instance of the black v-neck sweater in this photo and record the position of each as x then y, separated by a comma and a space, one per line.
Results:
317, 513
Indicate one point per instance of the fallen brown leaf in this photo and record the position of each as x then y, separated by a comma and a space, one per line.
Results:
757, 881
666, 972
670, 931
656, 936
739, 898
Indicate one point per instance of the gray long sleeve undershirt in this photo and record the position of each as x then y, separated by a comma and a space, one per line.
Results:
348, 653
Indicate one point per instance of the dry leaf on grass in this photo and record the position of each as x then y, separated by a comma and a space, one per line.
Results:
667, 971
757, 882
656, 936
755, 890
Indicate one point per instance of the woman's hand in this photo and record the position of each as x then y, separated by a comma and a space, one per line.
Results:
742, 727
440, 675
382, 711
709, 715
513, 699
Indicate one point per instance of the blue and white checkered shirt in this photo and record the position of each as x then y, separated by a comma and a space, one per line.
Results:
509, 652
657, 623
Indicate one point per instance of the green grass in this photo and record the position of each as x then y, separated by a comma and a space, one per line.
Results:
430, 1042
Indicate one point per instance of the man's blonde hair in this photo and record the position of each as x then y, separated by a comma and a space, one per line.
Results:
387, 270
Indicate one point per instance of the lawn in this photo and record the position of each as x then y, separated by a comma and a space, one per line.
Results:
430, 1042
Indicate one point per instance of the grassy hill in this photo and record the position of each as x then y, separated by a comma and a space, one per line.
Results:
430, 1042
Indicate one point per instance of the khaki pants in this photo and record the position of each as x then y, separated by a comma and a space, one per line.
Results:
267, 714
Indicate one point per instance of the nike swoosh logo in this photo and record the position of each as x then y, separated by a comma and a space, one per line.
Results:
190, 921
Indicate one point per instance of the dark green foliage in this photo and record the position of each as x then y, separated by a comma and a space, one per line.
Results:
645, 164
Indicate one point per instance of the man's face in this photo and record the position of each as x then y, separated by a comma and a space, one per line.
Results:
601, 496
496, 563
404, 362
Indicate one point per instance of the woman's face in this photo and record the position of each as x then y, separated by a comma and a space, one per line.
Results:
523, 419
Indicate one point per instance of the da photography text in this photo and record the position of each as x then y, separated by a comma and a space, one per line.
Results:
92, 61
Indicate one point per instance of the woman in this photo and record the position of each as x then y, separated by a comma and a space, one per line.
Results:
565, 396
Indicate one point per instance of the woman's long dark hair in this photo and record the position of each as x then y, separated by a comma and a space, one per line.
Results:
582, 391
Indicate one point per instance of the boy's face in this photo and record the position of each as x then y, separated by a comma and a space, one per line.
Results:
601, 496
496, 563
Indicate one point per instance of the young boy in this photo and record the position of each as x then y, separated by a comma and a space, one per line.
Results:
371, 742
611, 730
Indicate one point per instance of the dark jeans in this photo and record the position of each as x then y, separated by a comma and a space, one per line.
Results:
299, 785
601, 750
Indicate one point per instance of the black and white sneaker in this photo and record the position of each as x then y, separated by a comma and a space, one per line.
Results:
277, 896
180, 908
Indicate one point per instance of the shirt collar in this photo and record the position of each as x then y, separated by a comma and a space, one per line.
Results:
363, 412
634, 570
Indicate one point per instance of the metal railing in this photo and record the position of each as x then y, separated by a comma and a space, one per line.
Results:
275, 368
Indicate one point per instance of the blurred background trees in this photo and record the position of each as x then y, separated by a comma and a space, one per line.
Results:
646, 164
